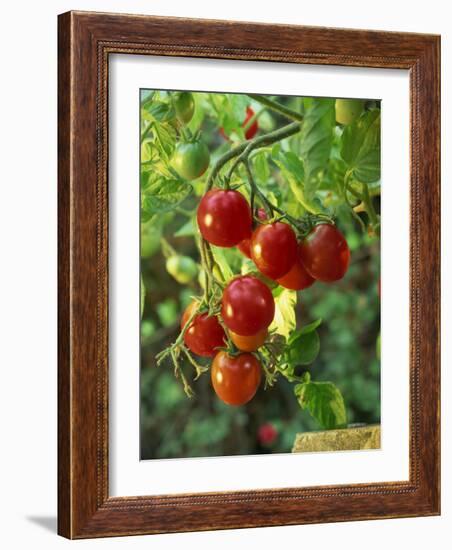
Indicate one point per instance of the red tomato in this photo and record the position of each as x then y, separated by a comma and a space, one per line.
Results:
247, 306
235, 379
205, 333
297, 278
244, 246
267, 434
249, 132
224, 217
274, 249
249, 343
325, 253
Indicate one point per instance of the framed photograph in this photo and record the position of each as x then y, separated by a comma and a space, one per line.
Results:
248, 275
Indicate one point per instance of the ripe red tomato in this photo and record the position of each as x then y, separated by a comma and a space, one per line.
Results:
325, 253
244, 246
251, 131
274, 249
224, 217
205, 333
253, 128
267, 434
247, 306
235, 379
249, 343
297, 278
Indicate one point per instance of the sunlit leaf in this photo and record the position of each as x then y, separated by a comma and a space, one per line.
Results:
324, 402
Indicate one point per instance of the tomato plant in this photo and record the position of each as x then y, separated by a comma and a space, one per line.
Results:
235, 379
266, 218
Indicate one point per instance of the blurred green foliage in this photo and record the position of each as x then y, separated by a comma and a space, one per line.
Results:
173, 425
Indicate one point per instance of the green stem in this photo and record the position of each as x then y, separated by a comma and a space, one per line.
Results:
247, 147
369, 205
277, 107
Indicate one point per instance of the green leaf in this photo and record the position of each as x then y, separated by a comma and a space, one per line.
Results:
157, 111
316, 139
324, 402
312, 326
220, 258
302, 348
261, 168
186, 230
361, 147
284, 321
164, 195
165, 138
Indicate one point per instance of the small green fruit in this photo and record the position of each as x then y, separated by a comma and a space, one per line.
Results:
184, 105
191, 160
182, 268
348, 110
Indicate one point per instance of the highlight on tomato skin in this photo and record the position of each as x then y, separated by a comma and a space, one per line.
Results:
235, 378
325, 253
224, 217
247, 305
297, 278
274, 249
204, 335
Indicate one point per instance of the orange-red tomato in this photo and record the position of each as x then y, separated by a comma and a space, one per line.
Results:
235, 379
249, 343
297, 278
325, 253
205, 334
247, 306
274, 249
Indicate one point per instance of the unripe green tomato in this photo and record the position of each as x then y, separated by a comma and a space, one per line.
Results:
348, 110
182, 268
190, 160
185, 106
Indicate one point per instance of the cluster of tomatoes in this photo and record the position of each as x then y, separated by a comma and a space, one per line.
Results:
247, 307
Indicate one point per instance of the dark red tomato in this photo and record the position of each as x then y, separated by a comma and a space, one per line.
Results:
247, 306
205, 333
274, 249
253, 128
224, 217
249, 343
235, 379
244, 246
251, 131
325, 253
267, 434
297, 278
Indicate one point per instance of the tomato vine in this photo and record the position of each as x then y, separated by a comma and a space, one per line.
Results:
291, 250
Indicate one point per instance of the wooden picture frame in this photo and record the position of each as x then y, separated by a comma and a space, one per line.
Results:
85, 42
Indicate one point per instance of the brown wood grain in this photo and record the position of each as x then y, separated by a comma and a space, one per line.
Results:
85, 42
